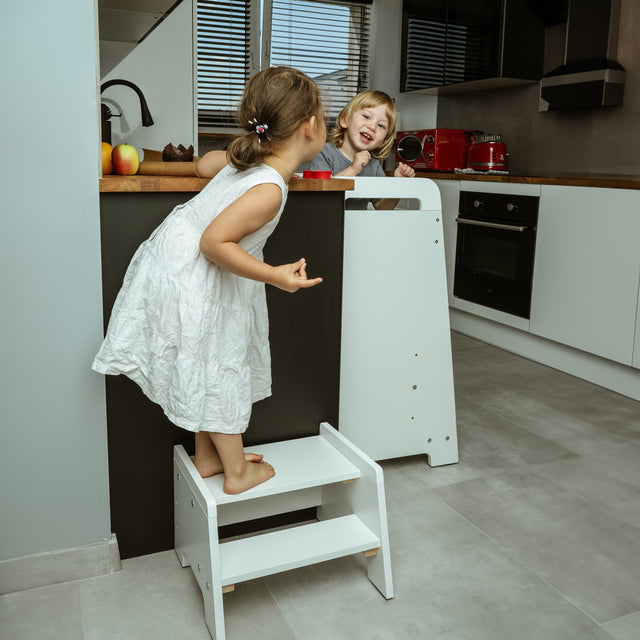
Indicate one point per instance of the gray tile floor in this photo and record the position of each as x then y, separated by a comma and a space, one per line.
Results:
534, 534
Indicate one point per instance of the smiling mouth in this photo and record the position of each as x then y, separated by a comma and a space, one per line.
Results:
366, 136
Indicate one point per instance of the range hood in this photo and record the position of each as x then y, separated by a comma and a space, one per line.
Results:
590, 76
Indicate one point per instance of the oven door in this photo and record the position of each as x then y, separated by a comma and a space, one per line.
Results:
494, 264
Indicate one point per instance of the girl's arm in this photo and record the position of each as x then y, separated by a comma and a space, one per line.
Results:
247, 214
211, 163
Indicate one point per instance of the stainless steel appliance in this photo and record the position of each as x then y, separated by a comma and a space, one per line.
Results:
495, 250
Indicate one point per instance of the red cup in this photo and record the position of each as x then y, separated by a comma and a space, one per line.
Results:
315, 175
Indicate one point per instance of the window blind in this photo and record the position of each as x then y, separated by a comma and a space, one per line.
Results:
228, 51
327, 39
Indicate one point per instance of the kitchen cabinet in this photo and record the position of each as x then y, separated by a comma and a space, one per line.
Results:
457, 42
587, 270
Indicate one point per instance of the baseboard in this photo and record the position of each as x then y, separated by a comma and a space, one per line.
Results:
605, 373
63, 565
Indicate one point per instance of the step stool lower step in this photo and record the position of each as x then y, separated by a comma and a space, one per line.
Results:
262, 555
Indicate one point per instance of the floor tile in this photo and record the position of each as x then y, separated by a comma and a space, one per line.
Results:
605, 481
451, 582
47, 613
152, 594
627, 628
584, 553
585, 436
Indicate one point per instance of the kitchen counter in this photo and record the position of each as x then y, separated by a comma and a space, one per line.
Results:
571, 180
154, 184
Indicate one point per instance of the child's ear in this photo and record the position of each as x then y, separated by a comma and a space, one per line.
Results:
342, 121
309, 127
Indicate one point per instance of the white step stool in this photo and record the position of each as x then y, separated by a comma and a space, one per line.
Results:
325, 471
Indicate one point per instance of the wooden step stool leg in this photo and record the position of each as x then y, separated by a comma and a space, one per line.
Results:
196, 538
365, 498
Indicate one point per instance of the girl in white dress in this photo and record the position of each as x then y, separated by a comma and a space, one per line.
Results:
190, 323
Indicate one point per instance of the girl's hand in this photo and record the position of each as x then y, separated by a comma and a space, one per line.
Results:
291, 277
360, 161
404, 171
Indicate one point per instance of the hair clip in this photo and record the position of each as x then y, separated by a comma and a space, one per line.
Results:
260, 129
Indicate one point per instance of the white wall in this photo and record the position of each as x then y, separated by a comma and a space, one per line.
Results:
414, 111
162, 67
53, 458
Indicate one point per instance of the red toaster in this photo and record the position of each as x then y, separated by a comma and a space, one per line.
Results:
434, 149
487, 152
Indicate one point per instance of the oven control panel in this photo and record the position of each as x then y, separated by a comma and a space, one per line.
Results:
499, 207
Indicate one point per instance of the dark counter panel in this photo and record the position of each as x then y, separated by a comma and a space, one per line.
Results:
305, 348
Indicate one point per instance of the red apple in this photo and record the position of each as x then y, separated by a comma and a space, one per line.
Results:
125, 160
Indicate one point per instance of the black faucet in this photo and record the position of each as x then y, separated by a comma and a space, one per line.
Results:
147, 120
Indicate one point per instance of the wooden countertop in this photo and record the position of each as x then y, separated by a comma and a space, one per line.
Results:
604, 181
149, 184
146, 183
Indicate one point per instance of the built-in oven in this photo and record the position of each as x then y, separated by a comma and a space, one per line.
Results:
495, 250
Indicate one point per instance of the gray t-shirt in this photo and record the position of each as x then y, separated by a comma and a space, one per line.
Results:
332, 158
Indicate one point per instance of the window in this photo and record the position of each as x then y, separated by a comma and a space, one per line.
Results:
228, 49
327, 39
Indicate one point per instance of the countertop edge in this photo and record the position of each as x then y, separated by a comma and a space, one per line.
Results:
607, 182
151, 184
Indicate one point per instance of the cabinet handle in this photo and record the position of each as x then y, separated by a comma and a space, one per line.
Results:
493, 225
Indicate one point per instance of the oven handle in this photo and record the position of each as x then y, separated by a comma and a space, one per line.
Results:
493, 225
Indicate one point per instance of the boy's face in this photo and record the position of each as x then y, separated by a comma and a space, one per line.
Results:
367, 130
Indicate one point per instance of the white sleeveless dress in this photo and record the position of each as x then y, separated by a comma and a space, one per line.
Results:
192, 335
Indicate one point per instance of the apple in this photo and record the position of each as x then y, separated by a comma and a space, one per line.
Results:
125, 160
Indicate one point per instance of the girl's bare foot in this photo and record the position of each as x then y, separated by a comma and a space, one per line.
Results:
212, 465
252, 474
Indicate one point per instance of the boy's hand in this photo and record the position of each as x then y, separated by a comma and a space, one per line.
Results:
360, 161
291, 277
404, 171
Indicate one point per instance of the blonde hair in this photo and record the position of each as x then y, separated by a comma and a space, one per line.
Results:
365, 100
282, 98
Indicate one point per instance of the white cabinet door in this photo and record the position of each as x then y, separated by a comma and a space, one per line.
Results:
585, 285
449, 196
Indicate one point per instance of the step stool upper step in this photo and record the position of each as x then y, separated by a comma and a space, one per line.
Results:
299, 464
